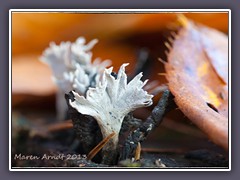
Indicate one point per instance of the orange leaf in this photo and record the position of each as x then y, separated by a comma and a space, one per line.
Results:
197, 71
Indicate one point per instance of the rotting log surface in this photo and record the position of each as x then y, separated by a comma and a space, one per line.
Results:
164, 105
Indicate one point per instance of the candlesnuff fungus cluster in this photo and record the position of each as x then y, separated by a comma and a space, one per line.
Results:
110, 101
100, 102
72, 68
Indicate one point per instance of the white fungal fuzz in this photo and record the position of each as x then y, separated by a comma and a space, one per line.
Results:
111, 100
72, 68
71, 64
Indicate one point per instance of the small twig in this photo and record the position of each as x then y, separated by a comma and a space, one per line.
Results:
95, 150
162, 74
60, 126
164, 105
138, 152
43, 131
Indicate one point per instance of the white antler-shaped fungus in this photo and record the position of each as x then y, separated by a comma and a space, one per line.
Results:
111, 100
72, 68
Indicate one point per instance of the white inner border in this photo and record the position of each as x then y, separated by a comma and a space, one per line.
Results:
116, 11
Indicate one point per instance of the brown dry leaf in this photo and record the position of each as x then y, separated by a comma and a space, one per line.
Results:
197, 72
35, 30
160, 21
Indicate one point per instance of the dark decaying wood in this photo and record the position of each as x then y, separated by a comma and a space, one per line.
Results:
164, 105
86, 128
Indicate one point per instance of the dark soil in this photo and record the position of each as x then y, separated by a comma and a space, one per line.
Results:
162, 149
